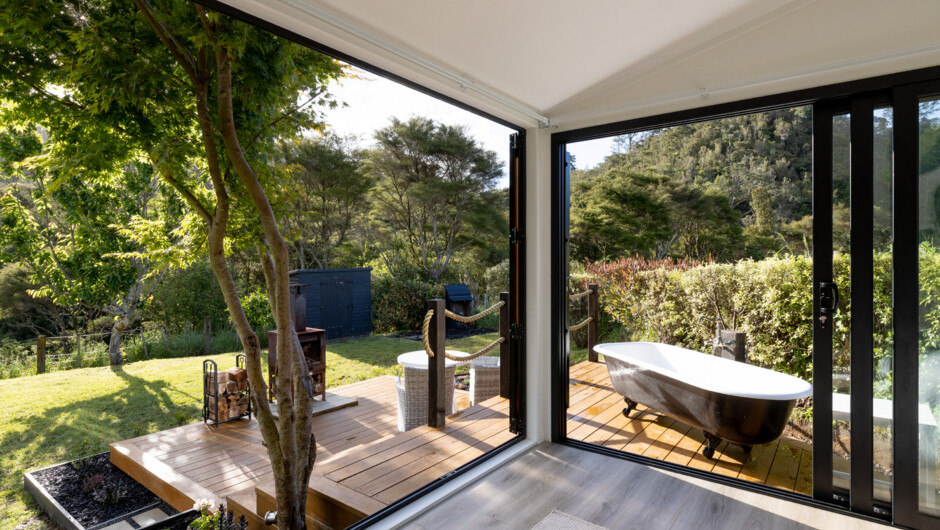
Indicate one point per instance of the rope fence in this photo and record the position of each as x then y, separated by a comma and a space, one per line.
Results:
580, 295
583, 323
425, 330
591, 321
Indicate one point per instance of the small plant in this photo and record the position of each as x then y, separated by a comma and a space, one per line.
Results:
110, 493
93, 483
216, 521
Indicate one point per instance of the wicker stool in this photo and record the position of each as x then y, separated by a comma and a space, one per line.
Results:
413, 397
484, 379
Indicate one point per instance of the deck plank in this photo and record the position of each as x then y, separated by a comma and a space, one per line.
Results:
594, 416
786, 467
354, 445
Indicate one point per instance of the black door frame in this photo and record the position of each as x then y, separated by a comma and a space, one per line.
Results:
831, 99
860, 108
906, 100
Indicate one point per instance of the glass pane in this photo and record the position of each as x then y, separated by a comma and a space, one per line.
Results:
883, 339
699, 237
929, 278
841, 251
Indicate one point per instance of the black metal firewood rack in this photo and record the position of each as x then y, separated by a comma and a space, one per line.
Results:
212, 395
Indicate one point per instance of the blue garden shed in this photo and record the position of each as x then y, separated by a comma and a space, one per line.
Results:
338, 300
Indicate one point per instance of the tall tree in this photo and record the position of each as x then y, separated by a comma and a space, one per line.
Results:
434, 193
202, 98
329, 193
621, 213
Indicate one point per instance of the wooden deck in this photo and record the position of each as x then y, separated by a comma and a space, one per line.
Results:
595, 416
363, 462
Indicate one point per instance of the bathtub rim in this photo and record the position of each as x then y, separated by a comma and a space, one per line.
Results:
711, 386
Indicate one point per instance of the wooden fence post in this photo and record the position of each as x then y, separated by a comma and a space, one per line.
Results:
78, 349
504, 347
206, 336
41, 354
166, 341
437, 392
593, 313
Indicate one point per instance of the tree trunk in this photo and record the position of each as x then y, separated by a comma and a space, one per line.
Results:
114, 345
297, 448
289, 440
206, 336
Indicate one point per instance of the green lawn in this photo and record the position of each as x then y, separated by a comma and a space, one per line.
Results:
61, 416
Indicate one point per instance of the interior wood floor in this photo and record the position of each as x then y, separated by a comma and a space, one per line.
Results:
615, 494
595, 416
359, 449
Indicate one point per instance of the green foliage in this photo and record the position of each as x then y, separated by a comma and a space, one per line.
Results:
434, 195
710, 180
81, 241
619, 213
929, 275
16, 360
401, 304
258, 311
23, 316
328, 198
769, 300
218, 520
496, 280
185, 297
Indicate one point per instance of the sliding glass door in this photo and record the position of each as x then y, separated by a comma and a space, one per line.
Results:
917, 304
876, 161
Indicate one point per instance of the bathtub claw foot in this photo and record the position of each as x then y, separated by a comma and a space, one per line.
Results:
629, 408
711, 443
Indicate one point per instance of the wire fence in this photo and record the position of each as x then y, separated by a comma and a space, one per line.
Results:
66, 352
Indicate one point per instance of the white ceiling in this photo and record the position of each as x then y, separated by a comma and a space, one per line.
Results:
585, 61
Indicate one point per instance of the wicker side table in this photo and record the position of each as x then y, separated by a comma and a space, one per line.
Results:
413, 397
484, 379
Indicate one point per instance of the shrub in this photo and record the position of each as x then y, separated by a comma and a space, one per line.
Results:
258, 311
401, 304
496, 279
769, 300
187, 296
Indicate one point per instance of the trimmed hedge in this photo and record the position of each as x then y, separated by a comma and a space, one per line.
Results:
771, 301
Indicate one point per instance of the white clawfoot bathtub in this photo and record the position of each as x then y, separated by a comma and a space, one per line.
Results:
727, 400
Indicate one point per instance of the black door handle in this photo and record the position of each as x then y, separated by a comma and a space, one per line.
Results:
828, 302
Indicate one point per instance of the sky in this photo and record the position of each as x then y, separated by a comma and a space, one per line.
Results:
372, 102
590, 153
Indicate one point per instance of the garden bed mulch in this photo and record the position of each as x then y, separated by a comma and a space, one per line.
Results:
97, 494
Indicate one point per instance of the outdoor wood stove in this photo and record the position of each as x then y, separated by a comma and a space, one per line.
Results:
312, 342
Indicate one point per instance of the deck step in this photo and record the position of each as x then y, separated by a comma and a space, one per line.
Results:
265, 502
177, 490
244, 503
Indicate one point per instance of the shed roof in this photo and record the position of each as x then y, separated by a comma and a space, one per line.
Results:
458, 292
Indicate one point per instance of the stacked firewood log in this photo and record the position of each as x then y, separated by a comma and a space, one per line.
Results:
232, 399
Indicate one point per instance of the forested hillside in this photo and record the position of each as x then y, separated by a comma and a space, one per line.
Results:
728, 188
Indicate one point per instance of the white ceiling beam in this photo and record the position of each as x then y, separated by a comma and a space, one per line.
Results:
415, 60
